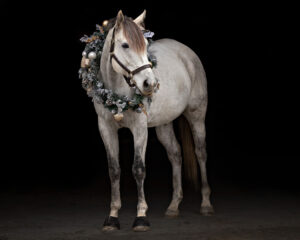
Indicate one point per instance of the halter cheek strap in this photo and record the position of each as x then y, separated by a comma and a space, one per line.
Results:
130, 73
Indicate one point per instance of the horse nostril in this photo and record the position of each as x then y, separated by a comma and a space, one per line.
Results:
146, 84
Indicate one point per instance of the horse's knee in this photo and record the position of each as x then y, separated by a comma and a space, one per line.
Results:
114, 170
200, 150
138, 168
139, 172
174, 154
114, 173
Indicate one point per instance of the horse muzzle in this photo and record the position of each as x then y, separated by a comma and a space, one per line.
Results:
149, 87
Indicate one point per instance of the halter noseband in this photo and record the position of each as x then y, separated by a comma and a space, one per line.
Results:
130, 73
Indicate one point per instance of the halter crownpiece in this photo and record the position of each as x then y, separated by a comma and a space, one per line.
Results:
92, 79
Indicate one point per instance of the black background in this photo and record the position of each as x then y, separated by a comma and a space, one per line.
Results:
50, 137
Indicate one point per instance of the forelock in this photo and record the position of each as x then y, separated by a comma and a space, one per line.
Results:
133, 35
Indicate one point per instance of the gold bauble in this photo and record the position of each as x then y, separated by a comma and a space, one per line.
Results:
105, 22
82, 64
118, 117
87, 62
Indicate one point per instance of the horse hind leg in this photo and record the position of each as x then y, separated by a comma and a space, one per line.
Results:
195, 114
165, 134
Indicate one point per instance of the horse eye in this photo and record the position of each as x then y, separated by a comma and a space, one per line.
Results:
125, 45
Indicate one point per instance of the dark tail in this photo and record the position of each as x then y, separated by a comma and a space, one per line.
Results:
188, 147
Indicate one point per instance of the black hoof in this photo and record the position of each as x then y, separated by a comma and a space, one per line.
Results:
141, 224
110, 224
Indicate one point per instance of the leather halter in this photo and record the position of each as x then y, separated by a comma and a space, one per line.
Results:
130, 73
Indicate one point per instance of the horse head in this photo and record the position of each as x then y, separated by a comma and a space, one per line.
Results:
129, 53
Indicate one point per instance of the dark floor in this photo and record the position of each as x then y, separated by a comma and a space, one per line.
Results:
79, 214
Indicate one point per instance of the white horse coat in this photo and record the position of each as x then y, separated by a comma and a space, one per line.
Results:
182, 91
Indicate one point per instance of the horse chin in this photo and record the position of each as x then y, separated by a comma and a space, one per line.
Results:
147, 94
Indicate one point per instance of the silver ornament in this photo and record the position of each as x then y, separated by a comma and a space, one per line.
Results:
138, 110
84, 53
99, 84
92, 55
123, 105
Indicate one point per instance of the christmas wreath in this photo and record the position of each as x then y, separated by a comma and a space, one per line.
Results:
91, 78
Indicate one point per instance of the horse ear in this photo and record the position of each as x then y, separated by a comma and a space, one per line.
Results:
140, 20
120, 18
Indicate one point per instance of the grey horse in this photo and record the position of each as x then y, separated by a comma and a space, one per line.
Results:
182, 90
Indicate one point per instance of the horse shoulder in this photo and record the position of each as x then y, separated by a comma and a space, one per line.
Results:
177, 53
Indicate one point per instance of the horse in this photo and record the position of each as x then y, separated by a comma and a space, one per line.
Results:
182, 91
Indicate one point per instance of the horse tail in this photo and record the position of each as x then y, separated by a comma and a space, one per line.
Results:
189, 156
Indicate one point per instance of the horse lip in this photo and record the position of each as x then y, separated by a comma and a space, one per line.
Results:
147, 94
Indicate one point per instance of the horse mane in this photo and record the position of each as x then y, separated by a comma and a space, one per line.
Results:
132, 33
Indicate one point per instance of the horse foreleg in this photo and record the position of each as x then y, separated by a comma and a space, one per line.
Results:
140, 136
109, 134
165, 134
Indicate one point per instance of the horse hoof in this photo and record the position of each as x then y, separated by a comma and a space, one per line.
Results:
172, 213
207, 211
111, 224
141, 224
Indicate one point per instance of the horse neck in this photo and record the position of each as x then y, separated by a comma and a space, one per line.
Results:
111, 79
